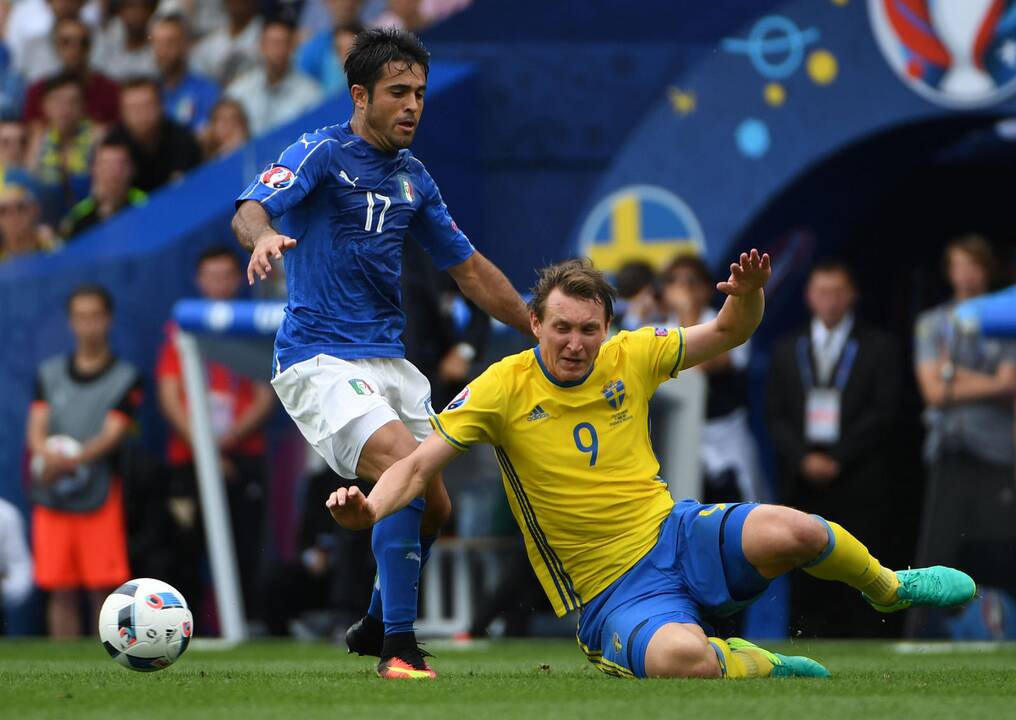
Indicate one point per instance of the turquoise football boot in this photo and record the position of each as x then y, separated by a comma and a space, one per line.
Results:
937, 586
784, 665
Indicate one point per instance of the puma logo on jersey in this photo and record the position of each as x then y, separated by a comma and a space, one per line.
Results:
342, 174
537, 413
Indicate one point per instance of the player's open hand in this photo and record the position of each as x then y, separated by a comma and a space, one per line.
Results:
268, 247
750, 273
350, 509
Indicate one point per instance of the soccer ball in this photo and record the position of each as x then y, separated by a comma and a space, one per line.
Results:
145, 625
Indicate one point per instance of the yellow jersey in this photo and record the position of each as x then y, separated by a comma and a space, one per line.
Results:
575, 457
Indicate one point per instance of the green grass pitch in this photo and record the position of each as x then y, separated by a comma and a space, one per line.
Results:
531, 680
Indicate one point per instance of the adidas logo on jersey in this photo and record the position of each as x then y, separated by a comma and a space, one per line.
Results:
538, 413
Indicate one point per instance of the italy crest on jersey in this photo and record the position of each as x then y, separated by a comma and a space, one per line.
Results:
614, 393
361, 387
407, 188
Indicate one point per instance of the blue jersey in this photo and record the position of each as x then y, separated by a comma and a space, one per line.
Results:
350, 206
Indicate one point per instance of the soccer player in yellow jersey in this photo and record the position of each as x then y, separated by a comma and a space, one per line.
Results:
569, 424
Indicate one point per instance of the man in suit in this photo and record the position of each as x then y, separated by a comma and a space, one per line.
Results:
832, 396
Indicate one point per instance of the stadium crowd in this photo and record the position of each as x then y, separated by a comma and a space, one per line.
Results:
105, 101
102, 103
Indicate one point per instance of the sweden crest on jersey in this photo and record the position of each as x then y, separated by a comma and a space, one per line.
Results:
613, 392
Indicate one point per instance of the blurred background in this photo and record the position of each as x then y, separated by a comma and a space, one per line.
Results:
867, 145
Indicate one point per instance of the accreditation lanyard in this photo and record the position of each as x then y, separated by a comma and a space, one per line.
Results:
822, 404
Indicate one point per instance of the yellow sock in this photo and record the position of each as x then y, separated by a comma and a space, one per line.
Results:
741, 663
847, 560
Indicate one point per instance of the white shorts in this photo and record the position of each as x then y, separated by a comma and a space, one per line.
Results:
339, 404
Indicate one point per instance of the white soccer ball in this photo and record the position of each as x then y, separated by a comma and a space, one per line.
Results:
62, 445
145, 625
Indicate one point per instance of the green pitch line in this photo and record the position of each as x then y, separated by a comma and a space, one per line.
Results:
530, 680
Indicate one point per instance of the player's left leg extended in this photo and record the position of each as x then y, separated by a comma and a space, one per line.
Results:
777, 539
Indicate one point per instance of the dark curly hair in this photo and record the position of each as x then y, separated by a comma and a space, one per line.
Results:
373, 49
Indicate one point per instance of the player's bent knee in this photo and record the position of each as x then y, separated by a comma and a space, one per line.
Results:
681, 654
810, 535
779, 533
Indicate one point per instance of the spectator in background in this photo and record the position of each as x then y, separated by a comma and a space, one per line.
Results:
73, 45
638, 294
12, 87
227, 129
21, 232
61, 150
161, 149
187, 98
832, 396
30, 35
78, 531
239, 407
728, 451
334, 80
968, 383
203, 16
275, 92
122, 49
13, 147
112, 189
320, 56
15, 562
232, 50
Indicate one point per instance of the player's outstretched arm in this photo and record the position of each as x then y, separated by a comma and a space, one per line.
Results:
741, 312
480, 281
254, 230
398, 485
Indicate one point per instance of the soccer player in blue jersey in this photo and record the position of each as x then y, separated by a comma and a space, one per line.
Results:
569, 423
336, 208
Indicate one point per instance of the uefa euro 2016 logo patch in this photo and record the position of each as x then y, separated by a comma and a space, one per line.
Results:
361, 387
459, 400
278, 177
614, 393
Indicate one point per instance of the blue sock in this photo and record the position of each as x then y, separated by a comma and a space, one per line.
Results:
396, 545
375, 596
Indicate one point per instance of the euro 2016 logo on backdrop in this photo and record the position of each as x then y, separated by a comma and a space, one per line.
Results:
955, 53
614, 393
